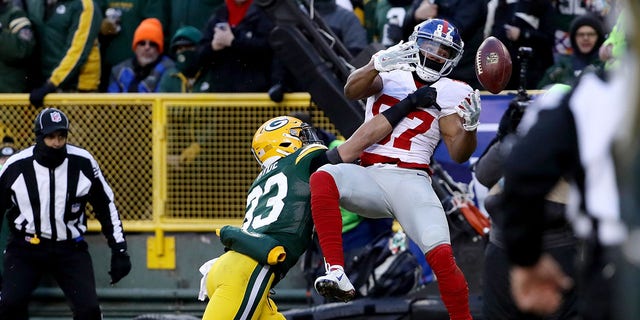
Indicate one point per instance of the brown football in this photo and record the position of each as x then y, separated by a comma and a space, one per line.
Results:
493, 65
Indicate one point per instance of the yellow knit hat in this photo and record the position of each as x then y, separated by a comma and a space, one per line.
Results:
149, 29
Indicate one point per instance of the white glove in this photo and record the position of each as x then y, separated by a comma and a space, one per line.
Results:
469, 110
402, 56
204, 270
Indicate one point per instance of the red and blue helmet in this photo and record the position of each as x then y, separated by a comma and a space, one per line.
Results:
440, 46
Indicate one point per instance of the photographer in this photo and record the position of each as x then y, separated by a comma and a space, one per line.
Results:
558, 239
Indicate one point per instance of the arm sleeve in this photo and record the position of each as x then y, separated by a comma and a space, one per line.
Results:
83, 32
102, 200
205, 52
488, 168
18, 43
536, 163
261, 247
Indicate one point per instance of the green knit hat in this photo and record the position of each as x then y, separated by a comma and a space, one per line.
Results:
187, 35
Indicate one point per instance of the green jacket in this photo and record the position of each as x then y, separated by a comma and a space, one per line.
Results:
174, 81
191, 12
562, 71
68, 36
17, 43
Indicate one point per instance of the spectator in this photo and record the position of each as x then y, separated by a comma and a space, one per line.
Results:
121, 18
469, 16
236, 50
273, 238
389, 19
344, 24
394, 172
187, 75
143, 72
558, 239
587, 35
48, 224
565, 11
67, 34
18, 43
7, 150
527, 23
194, 13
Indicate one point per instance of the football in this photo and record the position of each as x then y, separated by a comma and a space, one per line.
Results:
493, 65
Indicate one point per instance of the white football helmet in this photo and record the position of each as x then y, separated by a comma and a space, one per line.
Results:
440, 46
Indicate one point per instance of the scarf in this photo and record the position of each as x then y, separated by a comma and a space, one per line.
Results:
47, 156
237, 11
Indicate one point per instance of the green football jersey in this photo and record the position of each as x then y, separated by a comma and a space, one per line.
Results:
279, 202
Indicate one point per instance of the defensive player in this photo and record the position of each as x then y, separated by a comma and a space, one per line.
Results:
393, 178
277, 226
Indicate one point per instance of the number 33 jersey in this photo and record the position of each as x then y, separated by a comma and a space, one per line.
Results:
279, 202
413, 140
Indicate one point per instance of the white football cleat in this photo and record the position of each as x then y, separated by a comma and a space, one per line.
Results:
335, 284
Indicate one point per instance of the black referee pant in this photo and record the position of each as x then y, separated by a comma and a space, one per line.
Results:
68, 262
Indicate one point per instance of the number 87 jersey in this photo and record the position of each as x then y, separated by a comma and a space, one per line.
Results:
413, 141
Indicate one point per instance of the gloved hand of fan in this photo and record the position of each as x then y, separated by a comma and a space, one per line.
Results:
402, 56
469, 110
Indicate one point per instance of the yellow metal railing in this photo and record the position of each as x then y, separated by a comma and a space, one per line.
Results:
176, 162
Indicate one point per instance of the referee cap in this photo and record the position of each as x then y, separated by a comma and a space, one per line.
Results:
50, 120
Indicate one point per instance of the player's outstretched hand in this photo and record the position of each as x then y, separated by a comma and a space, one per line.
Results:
402, 56
469, 110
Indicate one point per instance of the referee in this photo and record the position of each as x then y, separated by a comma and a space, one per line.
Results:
44, 190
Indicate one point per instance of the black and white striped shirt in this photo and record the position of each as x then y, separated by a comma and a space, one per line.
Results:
50, 203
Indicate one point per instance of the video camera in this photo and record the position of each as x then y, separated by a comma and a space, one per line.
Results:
524, 54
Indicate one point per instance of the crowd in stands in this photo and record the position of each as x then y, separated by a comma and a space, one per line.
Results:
223, 46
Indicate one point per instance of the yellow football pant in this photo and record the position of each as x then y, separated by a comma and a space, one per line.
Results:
238, 289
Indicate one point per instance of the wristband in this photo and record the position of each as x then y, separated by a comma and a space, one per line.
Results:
400, 110
333, 156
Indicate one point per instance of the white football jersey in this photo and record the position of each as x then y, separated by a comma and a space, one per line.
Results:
413, 140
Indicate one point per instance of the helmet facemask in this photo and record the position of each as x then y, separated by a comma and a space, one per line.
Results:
307, 134
280, 137
440, 49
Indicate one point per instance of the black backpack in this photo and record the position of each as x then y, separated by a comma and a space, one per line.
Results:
378, 272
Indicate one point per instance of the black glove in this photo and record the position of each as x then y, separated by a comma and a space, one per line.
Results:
276, 93
424, 97
120, 262
511, 117
37, 95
